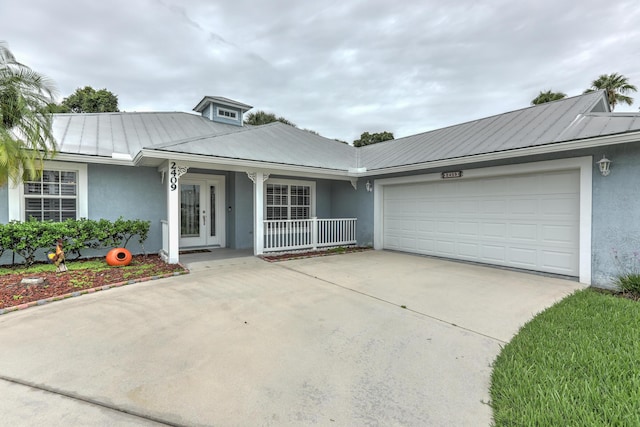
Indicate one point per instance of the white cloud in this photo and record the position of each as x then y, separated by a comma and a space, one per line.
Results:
338, 67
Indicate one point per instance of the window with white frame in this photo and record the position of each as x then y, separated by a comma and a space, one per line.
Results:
53, 197
228, 114
288, 201
60, 193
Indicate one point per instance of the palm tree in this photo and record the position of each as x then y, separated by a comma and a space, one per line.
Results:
26, 138
616, 85
547, 96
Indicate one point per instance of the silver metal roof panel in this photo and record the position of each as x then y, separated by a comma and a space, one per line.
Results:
527, 127
275, 143
128, 133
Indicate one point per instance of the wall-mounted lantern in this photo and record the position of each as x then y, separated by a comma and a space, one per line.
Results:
369, 186
604, 164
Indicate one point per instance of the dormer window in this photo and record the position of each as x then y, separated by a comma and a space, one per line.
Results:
229, 114
222, 110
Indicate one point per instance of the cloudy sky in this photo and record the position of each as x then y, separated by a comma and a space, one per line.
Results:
339, 67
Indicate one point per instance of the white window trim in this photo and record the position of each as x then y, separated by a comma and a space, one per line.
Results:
584, 164
226, 110
16, 191
311, 184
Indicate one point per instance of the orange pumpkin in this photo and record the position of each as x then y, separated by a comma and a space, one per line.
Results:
117, 257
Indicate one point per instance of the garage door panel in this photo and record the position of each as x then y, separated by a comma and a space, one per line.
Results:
523, 257
564, 234
425, 226
523, 232
426, 246
446, 227
560, 182
466, 229
469, 207
526, 221
560, 207
468, 250
494, 254
446, 247
494, 230
408, 242
489, 186
493, 207
523, 207
556, 261
523, 184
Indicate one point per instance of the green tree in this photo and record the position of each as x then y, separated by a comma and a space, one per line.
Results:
372, 138
547, 96
89, 100
260, 117
617, 87
26, 138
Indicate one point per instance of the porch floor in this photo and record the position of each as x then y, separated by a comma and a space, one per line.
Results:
216, 257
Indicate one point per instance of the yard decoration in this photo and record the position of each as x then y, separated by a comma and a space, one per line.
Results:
58, 258
118, 257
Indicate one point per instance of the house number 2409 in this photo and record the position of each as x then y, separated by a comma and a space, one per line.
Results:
173, 179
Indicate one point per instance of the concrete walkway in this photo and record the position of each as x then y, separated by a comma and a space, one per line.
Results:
322, 341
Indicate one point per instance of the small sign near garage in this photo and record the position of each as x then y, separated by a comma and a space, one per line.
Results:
451, 174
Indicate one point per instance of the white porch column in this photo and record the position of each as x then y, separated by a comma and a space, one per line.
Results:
174, 172
258, 179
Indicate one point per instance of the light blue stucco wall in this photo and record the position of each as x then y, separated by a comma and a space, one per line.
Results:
616, 215
4, 204
346, 202
131, 193
242, 212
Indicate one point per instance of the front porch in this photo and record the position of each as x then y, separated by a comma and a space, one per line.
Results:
284, 235
257, 211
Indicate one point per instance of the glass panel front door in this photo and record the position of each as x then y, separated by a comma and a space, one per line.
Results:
199, 200
189, 210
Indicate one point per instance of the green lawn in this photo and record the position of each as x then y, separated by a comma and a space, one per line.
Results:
575, 364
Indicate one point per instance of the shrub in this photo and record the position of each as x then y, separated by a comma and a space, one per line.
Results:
26, 238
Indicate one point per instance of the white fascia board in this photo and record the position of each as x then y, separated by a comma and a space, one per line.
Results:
520, 152
241, 165
82, 158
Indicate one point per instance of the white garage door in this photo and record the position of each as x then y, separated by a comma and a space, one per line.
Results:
523, 221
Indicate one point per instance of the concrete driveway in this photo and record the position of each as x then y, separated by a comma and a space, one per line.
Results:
322, 341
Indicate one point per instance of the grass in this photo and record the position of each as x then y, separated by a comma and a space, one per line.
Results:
96, 265
575, 364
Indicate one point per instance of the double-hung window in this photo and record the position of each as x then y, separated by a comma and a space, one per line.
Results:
289, 200
53, 197
60, 193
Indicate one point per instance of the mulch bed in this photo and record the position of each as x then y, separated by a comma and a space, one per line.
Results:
311, 254
78, 281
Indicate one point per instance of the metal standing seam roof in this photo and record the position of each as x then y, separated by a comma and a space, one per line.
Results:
102, 134
274, 143
528, 127
174, 132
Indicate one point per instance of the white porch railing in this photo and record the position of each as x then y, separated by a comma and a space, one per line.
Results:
294, 234
165, 238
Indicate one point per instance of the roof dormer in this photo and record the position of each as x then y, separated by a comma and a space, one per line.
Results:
222, 110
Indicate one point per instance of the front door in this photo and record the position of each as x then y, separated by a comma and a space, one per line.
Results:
201, 212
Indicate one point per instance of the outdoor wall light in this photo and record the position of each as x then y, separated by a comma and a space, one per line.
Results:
369, 186
604, 165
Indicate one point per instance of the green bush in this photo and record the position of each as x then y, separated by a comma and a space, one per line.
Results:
27, 238
629, 282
